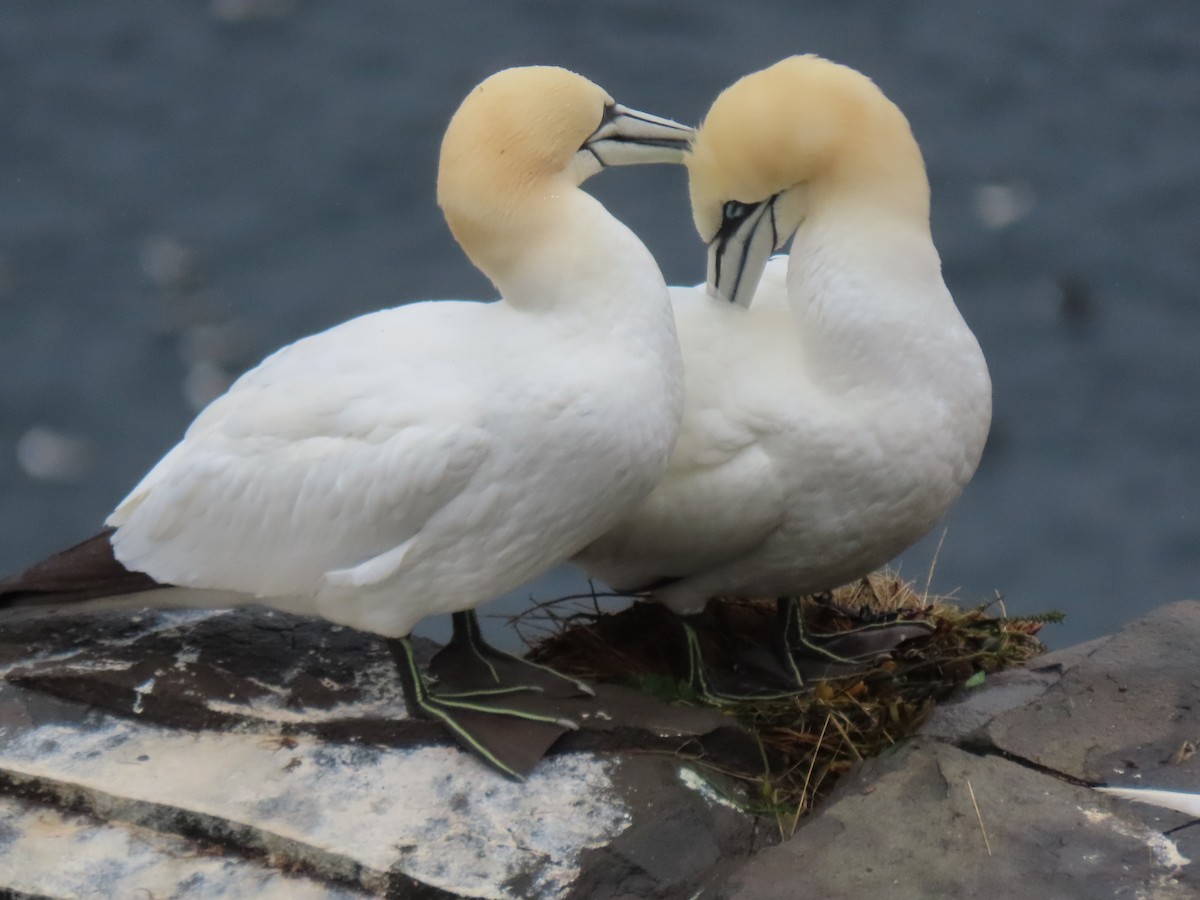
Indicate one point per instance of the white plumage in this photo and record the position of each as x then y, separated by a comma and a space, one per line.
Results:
830, 424
427, 458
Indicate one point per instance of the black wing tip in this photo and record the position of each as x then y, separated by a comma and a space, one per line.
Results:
86, 571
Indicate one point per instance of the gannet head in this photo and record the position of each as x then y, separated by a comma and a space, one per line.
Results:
526, 134
785, 143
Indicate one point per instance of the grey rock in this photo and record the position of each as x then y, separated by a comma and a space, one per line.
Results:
974, 709
904, 826
679, 834
1124, 709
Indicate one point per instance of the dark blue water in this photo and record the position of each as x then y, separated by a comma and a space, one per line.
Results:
185, 186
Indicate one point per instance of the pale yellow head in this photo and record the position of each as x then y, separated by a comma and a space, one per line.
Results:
516, 127
519, 146
812, 131
515, 134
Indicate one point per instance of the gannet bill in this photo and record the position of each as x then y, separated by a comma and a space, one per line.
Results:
830, 423
427, 458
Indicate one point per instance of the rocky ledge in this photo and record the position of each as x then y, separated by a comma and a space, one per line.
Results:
250, 754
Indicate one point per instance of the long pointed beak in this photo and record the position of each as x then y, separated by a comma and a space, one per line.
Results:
739, 253
628, 137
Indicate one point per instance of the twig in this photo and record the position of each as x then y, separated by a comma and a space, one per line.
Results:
986, 843
808, 776
932, 566
846, 736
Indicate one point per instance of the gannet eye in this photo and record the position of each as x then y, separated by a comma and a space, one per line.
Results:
735, 210
734, 214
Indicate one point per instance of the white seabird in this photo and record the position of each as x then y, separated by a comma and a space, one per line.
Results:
830, 423
427, 458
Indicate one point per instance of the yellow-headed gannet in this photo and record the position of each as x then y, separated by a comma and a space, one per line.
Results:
828, 425
427, 458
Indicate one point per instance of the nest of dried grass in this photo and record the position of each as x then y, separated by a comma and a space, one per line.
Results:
807, 740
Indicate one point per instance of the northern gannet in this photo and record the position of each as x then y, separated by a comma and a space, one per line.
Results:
828, 425
427, 458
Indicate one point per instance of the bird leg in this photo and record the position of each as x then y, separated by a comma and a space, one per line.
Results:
795, 657
863, 644
469, 666
510, 738
717, 690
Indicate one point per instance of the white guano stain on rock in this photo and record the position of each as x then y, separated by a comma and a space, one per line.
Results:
46, 853
69, 662
432, 813
1162, 848
273, 710
141, 691
694, 781
162, 621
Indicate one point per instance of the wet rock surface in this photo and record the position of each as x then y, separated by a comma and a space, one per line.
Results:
249, 753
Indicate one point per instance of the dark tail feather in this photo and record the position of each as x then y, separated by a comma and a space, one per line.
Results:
83, 572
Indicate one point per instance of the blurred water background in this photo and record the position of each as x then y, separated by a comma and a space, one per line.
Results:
186, 185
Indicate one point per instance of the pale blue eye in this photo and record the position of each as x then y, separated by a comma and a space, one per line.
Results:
735, 210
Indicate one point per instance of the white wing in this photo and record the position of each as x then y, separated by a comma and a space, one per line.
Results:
334, 451
729, 510
721, 496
